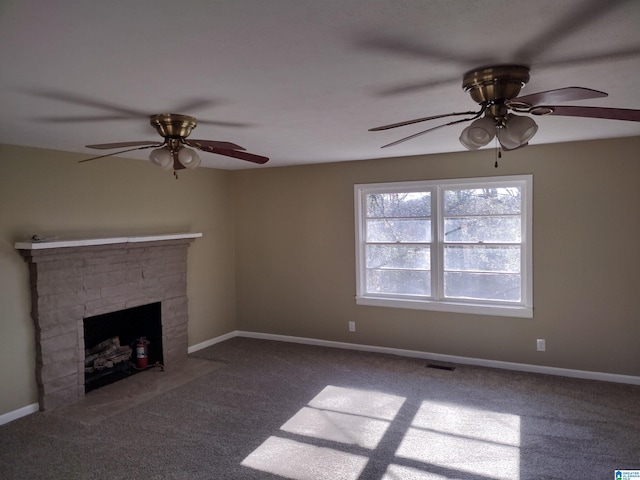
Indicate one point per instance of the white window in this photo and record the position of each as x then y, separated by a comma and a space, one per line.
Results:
459, 245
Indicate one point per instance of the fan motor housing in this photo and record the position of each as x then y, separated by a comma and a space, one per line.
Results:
173, 125
497, 84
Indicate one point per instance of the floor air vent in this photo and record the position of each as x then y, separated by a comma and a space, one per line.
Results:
441, 367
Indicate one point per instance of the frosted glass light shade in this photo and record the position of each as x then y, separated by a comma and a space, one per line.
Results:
189, 158
479, 133
162, 158
506, 141
517, 132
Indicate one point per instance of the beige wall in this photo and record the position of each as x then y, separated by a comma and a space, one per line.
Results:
277, 254
296, 273
48, 193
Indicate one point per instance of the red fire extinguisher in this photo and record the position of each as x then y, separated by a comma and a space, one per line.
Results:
142, 352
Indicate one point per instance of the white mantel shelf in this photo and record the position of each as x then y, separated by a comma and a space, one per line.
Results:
85, 242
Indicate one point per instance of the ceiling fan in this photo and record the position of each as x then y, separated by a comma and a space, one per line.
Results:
176, 152
496, 90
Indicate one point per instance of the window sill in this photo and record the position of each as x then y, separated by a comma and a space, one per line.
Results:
471, 308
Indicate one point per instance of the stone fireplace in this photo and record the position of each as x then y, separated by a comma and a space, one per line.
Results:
74, 280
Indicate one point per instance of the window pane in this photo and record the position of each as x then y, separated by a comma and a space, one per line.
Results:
482, 201
408, 282
408, 204
482, 258
478, 229
482, 229
398, 256
483, 286
393, 230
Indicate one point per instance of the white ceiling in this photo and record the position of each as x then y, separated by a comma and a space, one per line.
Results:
302, 80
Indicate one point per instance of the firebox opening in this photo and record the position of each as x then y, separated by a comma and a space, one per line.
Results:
110, 344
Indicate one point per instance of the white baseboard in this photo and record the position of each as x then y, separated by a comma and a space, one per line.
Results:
21, 412
521, 367
213, 341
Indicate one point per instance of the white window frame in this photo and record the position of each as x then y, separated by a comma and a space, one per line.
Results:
521, 309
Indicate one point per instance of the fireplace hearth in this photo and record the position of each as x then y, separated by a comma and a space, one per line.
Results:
76, 280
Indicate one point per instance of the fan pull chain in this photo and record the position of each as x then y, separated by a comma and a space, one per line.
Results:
498, 152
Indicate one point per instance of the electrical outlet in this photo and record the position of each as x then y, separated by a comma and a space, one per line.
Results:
352, 326
541, 345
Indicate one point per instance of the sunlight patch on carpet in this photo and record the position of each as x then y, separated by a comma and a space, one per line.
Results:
398, 472
303, 461
469, 440
337, 427
443, 439
358, 402
342, 415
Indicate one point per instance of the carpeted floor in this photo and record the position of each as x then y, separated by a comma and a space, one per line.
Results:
271, 410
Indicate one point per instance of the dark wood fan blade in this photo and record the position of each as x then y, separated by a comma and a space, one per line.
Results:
603, 57
217, 123
416, 86
577, 19
90, 102
199, 104
626, 114
249, 157
107, 146
82, 118
424, 119
410, 48
195, 104
559, 95
214, 144
427, 131
124, 112
116, 153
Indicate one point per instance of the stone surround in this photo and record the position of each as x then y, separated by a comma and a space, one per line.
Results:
74, 280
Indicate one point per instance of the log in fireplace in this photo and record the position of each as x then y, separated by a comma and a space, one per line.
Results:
110, 344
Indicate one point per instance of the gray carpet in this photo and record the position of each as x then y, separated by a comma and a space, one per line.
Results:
272, 410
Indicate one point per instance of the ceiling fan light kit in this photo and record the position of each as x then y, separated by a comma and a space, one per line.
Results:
517, 132
162, 158
496, 90
478, 134
175, 155
189, 158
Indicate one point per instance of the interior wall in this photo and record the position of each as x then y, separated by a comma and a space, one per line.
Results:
294, 270
296, 257
48, 193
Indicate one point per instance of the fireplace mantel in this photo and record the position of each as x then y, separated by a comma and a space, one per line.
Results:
54, 242
75, 279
